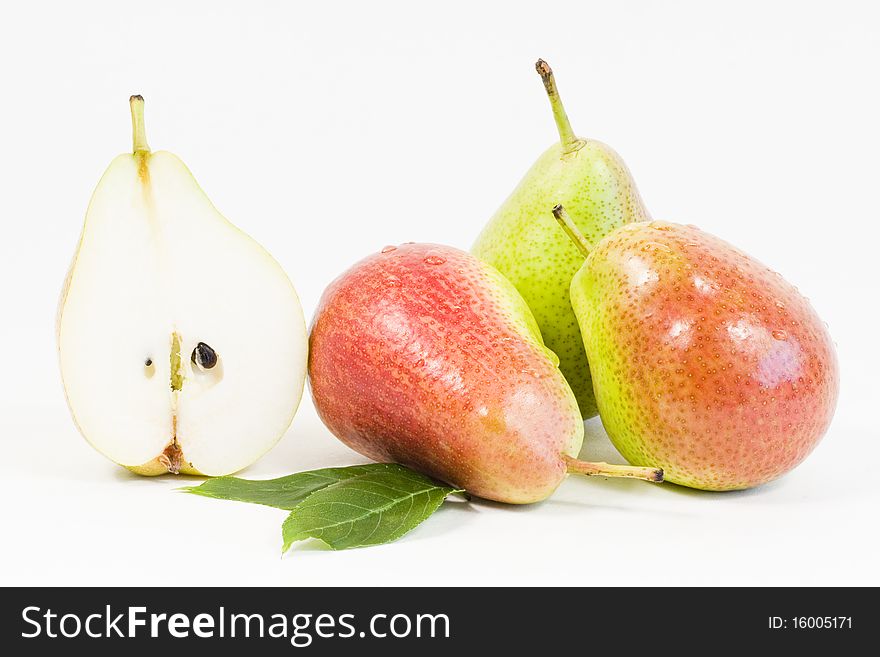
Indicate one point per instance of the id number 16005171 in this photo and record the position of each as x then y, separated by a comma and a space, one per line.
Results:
810, 623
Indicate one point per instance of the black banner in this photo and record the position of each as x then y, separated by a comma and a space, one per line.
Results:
434, 621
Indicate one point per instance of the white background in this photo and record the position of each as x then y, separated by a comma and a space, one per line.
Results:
327, 130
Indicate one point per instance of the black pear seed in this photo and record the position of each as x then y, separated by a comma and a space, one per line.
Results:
148, 362
204, 356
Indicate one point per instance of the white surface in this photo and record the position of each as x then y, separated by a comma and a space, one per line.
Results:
328, 131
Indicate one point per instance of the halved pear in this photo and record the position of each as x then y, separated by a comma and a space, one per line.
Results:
182, 343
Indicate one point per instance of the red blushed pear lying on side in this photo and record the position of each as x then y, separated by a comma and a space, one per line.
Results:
426, 356
704, 361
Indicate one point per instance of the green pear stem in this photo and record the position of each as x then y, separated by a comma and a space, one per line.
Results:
138, 129
570, 142
576, 466
580, 241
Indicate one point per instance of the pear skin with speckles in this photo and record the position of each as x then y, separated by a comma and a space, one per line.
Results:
424, 355
705, 362
524, 243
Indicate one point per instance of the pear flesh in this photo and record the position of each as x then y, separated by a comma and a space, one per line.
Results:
524, 243
182, 342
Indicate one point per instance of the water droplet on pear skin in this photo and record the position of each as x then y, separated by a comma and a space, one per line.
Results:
434, 259
779, 334
389, 249
655, 246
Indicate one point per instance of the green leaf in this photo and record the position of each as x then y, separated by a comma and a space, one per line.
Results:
284, 492
367, 509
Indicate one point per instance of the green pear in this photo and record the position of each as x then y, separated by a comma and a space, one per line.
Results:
523, 241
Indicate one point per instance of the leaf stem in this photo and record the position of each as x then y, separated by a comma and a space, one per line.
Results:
576, 466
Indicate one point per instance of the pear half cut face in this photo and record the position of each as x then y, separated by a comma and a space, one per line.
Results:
182, 342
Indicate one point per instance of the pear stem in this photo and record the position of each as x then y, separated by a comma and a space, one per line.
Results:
570, 142
138, 129
576, 466
580, 241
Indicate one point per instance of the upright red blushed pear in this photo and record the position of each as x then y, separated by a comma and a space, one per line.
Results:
705, 362
426, 356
